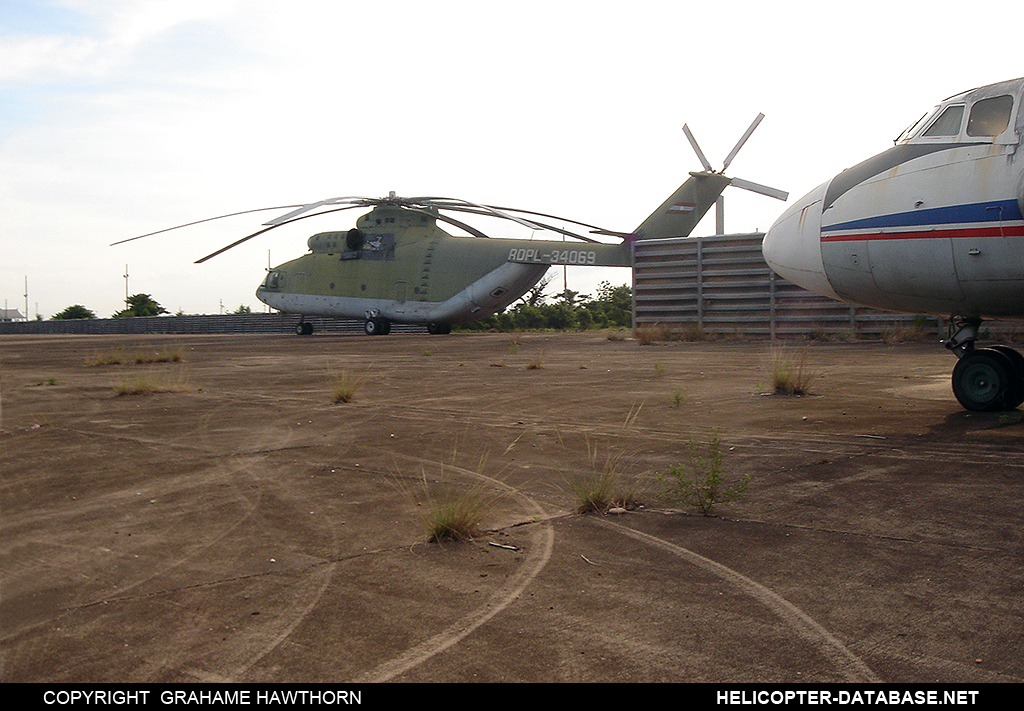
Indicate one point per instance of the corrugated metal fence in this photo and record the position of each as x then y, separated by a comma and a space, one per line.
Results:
722, 285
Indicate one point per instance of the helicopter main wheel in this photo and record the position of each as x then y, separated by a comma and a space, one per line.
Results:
435, 329
377, 327
986, 379
303, 328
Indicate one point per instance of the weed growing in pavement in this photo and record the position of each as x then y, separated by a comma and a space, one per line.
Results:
141, 357
151, 383
344, 386
456, 515
601, 486
452, 511
700, 483
788, 371
632, 415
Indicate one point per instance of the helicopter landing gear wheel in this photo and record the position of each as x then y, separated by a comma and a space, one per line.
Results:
377, 326
435, 329
303, 328
986, 379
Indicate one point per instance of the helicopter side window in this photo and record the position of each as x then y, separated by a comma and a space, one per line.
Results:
948, 123
990, 117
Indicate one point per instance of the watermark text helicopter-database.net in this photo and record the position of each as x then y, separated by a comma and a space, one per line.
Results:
874, 697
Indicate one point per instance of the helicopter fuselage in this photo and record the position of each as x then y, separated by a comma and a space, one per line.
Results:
399, 265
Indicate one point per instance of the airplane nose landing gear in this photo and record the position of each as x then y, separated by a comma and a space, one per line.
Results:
985, 379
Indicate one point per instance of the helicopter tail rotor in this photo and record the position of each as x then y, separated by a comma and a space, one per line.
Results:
684, 209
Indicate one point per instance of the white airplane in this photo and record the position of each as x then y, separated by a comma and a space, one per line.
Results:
933, 225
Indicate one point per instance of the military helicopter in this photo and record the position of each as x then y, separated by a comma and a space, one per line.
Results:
398, 265
933, 225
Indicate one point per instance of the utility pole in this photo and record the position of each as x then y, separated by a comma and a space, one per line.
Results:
126, 286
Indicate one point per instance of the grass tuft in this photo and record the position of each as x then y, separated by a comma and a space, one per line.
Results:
600, 487
456, 516
123, 357
788, 371
153, 383
345, 385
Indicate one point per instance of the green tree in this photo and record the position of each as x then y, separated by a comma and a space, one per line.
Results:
242, 309
612, 307
72, 312
141, 305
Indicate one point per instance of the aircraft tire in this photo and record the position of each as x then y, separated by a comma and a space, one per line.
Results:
303, 328
1016, 376
436, 329
983, 381
377, 326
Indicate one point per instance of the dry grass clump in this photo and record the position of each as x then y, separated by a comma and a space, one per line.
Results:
452, 500
171, 356
456, 515
344, 386
123, 357
788, 372
601, 485
455, 512
152, 383
653, 332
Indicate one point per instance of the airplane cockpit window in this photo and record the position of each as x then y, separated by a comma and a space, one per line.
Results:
948, 123
990, 117
912, 130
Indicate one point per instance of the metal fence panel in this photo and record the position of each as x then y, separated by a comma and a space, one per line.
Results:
721, 285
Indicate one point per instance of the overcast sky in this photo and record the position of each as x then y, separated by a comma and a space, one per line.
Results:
119, 117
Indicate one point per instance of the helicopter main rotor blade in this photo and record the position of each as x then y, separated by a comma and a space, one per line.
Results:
456, 203
696, 149
302, 209
594, 228
457, 223
760, 189
743, 139
199, 222
267, 229
488, 211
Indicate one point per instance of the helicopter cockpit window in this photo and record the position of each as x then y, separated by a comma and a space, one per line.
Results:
948, 123
990, 117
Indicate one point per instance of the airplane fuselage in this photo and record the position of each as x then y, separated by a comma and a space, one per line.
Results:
933, 225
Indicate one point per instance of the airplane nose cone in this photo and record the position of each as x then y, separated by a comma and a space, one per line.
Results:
792, 247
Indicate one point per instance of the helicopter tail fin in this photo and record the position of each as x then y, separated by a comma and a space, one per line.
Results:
680, 213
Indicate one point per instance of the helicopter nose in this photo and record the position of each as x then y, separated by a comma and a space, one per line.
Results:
792, 246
